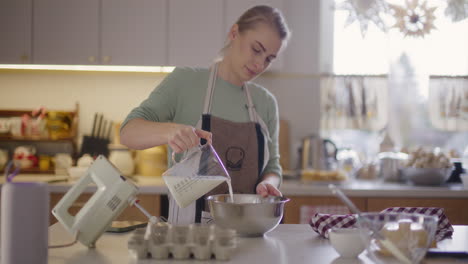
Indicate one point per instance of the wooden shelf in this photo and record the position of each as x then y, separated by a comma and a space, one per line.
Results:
35, 170
7, 113
57, 134
31, 138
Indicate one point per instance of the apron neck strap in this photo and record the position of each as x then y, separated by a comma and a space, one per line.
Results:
210, 91
250, 106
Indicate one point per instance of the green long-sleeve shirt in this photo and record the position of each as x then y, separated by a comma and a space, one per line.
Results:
179, 98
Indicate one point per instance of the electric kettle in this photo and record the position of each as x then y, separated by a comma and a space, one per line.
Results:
318, 153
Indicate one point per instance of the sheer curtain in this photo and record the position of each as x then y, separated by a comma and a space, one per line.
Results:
410, 64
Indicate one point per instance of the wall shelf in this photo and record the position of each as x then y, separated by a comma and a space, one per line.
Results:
55, 137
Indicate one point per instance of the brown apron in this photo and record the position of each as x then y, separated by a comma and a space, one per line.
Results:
241, 146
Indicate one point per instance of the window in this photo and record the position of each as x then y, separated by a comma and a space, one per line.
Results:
404, 75
442, 52
354, 102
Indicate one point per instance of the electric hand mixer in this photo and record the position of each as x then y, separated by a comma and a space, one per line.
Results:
114, 193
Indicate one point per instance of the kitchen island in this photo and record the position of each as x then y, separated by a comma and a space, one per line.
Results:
367, 195
286, 244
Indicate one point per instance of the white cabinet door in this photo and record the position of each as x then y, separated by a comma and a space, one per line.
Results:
134, 32
311, 46
15, 31
234, 9
66, 32
195, 32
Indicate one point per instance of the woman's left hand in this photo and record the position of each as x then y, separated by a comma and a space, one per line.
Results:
264, 189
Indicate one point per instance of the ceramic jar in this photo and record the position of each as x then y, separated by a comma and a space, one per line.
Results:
122, 158
85, 161
63, 161
3, 158
152, 161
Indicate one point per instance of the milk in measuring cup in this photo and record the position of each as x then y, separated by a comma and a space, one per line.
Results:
185, 190
195, 175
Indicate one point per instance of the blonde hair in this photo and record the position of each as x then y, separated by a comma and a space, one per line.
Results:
260, 14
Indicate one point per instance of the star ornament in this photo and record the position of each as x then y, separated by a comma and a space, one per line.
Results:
415, 19
365, 12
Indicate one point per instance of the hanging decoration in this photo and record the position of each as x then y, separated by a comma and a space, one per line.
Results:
365, 12
415, 18
457, 10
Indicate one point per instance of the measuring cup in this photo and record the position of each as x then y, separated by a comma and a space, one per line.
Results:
196, 174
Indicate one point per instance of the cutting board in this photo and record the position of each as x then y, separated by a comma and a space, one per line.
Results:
284, 145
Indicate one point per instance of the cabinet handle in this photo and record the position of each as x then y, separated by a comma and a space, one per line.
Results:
106, 59
92, 59
24, 58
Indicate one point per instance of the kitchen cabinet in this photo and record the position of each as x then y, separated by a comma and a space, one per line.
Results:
454, 208
66, 32
15, 31
134, 32
310, 50
234, 9
100, 32
292, 209
119, 32
151, 202
195, 32
158, 32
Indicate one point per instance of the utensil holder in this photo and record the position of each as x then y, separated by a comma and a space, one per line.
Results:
95, 146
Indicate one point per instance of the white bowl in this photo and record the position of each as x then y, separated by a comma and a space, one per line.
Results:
77, 172
426, 176
85, 161
347, 241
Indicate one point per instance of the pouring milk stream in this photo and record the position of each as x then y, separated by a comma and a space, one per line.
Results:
196, 174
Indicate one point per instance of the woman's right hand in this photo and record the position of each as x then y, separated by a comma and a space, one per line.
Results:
185, 137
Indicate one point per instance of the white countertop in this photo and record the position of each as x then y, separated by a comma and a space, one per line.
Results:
155, 185
61, 183
286, 244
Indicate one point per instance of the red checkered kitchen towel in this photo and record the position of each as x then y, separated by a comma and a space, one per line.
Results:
321, 223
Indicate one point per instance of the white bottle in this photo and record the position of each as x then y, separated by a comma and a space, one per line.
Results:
465, 159
24, 223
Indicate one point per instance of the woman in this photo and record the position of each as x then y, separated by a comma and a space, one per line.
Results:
221, 106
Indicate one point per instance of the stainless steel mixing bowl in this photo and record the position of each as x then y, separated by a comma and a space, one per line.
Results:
250, 214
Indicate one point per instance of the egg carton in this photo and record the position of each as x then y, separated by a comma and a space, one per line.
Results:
195, 241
